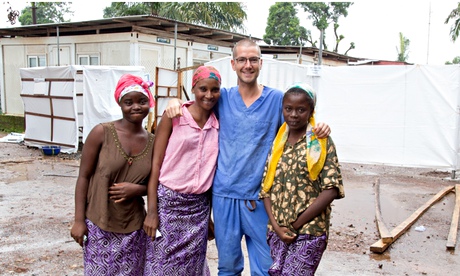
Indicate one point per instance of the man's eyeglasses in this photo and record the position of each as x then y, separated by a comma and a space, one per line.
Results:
243, 60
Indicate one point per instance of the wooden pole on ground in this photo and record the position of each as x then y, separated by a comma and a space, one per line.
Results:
385, 234
452, 238
380, 246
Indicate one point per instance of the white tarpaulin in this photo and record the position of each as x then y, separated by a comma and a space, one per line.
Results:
274, 73
50, 107
59, 102
99, 84
166, 89
393, 115
397, 115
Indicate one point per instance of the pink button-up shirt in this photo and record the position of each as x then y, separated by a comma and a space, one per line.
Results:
191, 155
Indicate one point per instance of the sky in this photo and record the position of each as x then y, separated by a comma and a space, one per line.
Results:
373, 25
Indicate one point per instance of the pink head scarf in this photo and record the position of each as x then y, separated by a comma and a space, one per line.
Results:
130, 83
205, 72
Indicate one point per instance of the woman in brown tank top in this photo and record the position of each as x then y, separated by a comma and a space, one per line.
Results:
114, 170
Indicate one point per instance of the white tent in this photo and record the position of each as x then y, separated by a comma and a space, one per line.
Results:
63, 103
392, 115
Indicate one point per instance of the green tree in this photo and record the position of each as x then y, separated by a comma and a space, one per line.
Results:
283, 26
46, 12
117, 9
228, 16
455, 28
403, 51
456, 60
323, 14
352, 46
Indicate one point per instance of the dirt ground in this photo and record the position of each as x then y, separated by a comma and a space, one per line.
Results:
36, 213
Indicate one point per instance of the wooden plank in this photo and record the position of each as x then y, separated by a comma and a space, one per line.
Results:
380, 246
452, 238
60, 175
16, 161
385, 234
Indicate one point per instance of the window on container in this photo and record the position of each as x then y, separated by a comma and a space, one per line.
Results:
36, 61
88, 60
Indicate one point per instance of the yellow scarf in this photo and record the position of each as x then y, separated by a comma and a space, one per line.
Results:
316, 152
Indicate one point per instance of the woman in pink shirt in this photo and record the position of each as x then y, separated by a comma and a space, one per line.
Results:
184, 162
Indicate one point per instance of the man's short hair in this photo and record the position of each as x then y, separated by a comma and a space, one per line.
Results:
246, 42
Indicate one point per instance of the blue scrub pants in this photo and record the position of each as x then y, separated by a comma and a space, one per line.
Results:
232, 220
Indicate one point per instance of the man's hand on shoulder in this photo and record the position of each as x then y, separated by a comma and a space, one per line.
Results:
322, 130
174, 108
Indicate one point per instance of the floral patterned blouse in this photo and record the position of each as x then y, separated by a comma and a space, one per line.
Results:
293, 191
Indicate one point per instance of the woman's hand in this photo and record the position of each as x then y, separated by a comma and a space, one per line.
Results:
285, 234
151, 225
119, 192
79, 231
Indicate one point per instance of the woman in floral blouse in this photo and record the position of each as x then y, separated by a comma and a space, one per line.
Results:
301, 179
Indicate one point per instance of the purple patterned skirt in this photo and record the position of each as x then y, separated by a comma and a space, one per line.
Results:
181, 249
301, 257
108, 253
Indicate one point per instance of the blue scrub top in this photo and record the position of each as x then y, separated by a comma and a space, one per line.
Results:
245, 139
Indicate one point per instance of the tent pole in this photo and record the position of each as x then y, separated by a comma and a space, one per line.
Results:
457, 143
58, 55
175, 49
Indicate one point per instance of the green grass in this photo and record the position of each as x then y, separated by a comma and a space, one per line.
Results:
11, 124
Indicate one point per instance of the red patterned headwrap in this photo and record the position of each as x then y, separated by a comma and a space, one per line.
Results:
205, 72
130, 83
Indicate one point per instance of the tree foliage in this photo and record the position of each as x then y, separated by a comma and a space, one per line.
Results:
456, 60
12, 14
117, 9
46, 12
455, 28
283, 26
228, 16
403, 51
323, 14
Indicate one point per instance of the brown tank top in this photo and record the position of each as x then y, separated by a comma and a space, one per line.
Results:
114, 166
